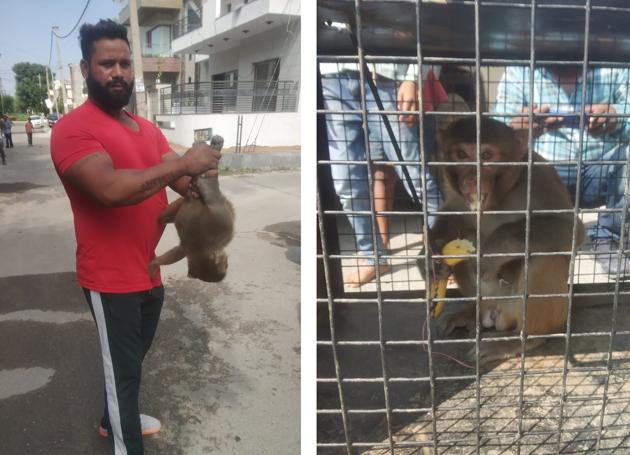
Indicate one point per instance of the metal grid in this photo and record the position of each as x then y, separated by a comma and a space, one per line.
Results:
387, 383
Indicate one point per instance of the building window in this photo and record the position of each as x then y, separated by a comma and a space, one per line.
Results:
266, 75
193, 17
158, 41
224, 89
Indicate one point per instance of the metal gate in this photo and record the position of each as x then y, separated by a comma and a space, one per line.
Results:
388, 382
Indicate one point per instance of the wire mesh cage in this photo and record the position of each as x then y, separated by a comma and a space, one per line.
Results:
399, 370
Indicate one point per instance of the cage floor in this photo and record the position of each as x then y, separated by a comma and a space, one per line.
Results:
506, 397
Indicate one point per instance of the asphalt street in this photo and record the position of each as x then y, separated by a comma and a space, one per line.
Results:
223, 372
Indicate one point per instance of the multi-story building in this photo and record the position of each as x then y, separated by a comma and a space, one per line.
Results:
245, 86
156, 19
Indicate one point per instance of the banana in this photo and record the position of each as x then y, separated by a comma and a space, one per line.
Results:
438, 288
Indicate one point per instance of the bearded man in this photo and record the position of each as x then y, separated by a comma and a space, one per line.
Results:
114, 167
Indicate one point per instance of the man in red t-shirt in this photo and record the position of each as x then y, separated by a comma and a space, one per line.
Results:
114, 167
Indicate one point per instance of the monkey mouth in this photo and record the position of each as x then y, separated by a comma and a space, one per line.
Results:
479, 203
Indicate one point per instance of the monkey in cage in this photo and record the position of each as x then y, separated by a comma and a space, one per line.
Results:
540, 278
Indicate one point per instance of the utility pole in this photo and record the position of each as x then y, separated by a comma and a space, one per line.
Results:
61, 77
136, 52
48, 92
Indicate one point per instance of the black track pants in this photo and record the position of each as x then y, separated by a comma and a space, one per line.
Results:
126, 326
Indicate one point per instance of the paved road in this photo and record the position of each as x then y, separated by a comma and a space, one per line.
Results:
223, 373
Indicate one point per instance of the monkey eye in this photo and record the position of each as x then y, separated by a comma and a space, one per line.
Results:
486, 155
461, 154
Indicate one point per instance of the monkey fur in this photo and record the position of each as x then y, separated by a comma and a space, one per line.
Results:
504, 188
205, 226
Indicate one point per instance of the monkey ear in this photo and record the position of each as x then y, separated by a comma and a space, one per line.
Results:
521, 142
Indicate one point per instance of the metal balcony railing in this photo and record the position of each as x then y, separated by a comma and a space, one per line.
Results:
187, 25
221, 97
157, 50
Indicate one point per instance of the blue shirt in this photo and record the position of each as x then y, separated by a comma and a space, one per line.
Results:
603, 86
7, 124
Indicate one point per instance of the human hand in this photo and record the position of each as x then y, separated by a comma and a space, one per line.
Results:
202, 159
540, 124
407, 100
598, 126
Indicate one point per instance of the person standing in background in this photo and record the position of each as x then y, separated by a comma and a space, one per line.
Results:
6, 130
28, 127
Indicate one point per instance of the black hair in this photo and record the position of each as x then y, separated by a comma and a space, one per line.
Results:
105, 28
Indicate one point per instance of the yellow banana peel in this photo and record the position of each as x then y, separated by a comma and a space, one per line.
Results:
438, 287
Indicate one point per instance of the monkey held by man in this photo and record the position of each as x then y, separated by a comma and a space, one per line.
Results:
205, 226
504, 188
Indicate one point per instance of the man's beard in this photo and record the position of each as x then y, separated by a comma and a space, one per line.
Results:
105, 97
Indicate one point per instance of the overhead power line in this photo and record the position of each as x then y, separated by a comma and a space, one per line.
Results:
77, 24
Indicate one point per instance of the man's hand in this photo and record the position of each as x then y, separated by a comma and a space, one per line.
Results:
540, 124
201, 158
407, 100
598, 126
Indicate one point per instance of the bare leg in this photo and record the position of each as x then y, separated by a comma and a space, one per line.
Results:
169, 213
171, 256
366, 272
383, 198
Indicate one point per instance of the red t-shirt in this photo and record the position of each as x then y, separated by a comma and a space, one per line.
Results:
115, 244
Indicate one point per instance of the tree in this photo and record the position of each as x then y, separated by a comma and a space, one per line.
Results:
8, 104
30, 87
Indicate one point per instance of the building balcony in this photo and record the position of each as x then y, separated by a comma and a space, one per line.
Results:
161, 64
226, 97
225, 32
185, 25
148, 8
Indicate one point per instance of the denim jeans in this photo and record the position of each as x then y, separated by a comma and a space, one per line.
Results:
346, 141
601, 184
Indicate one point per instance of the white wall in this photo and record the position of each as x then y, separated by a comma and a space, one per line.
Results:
271, 129
272, 44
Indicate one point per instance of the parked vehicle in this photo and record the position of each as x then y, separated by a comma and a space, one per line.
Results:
52, 119
37, 121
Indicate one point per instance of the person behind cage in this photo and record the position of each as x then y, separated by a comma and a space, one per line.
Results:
341, 90
558, 93
28, 127
7, 124
114, 167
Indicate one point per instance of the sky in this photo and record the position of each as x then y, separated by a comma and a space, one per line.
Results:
26, 26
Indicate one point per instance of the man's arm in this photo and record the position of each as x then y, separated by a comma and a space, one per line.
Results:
95, 175
179, 185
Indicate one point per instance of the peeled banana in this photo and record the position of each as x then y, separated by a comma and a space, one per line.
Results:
438, 286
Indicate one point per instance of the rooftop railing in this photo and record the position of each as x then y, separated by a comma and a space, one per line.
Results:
187, 25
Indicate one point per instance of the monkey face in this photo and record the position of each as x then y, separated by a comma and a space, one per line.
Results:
458, 144
210, 267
